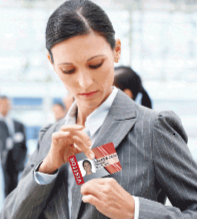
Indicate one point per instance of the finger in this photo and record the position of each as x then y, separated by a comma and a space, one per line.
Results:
73, 150
80, 143
95, 190
84, 137
77, 130
101, 181
58, 135
93, 201
71, 128
77, 150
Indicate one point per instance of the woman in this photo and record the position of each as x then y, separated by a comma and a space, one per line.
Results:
151, 146
130, 82
87, 167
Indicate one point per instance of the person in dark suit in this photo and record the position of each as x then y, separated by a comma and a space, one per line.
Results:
12, 146
151, 146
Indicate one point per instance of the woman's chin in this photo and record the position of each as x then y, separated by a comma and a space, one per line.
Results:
91, 104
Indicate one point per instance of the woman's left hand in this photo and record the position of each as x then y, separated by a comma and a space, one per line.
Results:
109, 198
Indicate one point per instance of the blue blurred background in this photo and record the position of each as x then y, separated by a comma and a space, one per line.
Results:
158, 41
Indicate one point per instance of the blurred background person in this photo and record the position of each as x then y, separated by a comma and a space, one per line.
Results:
130, 83
59, 111
68, 101
13, 146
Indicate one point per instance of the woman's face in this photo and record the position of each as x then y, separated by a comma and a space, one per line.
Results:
87, 167
85, 64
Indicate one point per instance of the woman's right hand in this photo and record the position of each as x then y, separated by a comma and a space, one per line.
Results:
68, 141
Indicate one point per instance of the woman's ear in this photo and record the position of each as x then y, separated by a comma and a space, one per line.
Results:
49, 58
117, 51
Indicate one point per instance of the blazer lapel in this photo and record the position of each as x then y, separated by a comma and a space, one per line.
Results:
118, 123
76, 200
4, 127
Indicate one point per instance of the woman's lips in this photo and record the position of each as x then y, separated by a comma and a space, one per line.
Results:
90, 94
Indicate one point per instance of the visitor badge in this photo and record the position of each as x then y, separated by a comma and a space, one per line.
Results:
106, 162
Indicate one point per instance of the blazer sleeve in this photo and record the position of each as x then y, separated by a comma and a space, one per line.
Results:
175, 170
29, 198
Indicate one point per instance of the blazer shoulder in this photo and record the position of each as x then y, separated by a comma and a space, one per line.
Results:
50, 129
168, 117
161, 122
168, 121
144, 113
155, 116
44, 130
157, 119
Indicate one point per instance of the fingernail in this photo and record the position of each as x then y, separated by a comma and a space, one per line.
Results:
89, 142
91, 154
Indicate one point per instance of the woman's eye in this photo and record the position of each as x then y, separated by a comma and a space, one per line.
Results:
68, 72
95, 66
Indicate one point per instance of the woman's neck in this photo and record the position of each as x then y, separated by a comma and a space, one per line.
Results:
82, 115
88, 172
84, 112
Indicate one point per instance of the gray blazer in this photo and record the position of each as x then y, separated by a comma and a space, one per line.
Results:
152, 151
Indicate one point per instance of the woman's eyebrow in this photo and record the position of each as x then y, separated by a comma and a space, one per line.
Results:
95, 57
65, 63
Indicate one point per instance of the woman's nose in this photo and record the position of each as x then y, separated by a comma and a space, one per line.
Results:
85, 80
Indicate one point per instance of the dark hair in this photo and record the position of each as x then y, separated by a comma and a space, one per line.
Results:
87, 161
126, 78
4, 97
78, 17
60, 104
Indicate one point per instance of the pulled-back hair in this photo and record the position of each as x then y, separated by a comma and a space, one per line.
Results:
126, 78
78, 17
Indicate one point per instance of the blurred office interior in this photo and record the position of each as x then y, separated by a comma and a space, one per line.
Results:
158, 41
